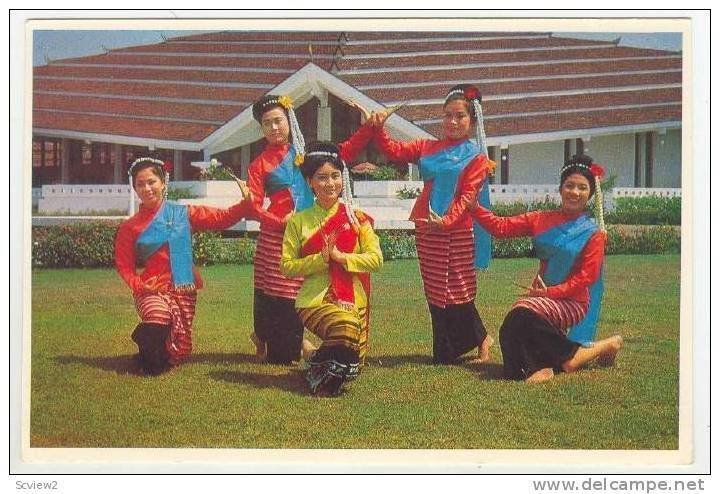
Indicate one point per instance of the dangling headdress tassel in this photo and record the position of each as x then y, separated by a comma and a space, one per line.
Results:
346, 192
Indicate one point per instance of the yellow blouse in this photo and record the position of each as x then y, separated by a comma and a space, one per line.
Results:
365, 258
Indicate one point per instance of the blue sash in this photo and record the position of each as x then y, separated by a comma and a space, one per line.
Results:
483, 240
170, 225
443, 169
288, 176
560, 246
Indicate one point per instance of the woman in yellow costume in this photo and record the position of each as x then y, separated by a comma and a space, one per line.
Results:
334, 248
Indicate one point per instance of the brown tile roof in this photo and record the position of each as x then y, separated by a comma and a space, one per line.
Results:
186, 88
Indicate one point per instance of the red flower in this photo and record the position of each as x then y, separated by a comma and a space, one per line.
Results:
168, 166
471, 93
597, 170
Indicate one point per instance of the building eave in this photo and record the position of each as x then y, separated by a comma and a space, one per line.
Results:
118, 139
509, 140
301, 86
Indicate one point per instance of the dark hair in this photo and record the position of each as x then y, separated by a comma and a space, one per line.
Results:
311, 163
453, 95
144, 164
579, 163
264, 104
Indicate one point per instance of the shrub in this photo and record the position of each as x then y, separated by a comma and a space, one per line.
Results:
397, 244
216, 171
385, 172
210, 248
512, 247
408, 192
643, 240
520, 207
91, 244
86, 245
649, 210
175, 193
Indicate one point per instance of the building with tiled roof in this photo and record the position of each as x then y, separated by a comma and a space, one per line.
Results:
188, 99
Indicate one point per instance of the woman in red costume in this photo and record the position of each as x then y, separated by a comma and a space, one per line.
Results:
165, 290
553, 327
454, 169
275, 175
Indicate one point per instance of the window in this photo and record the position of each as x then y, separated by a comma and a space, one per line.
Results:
50, 153
37, 154
86, 154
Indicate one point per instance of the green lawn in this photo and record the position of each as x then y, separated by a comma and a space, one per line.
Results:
86, 391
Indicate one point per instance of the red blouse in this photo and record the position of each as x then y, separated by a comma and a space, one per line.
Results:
158, 264
588, 264
469, 181
281, 202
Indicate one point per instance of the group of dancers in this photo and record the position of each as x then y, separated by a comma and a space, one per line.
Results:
316, 250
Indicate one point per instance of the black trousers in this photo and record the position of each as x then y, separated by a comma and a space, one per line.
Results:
457, 329
150, 339
530, 343
278, 325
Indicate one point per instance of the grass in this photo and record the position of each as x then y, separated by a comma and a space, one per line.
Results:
86, 391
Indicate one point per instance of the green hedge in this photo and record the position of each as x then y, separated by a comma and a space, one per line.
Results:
643, 240
210, 248
90, 245
397, 244
519, 207
649, 210
84, 245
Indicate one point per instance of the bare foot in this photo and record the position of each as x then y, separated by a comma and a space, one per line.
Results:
483, 351
306, 349
260, 347
541, 376
607, 358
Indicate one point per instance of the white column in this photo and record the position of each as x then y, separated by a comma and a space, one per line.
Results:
118, 176
244, 160
324, 118
177, 164
65, 162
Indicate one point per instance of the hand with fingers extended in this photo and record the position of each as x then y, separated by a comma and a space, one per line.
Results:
376, 118
538, 288
151, 285
338, 256
244, 189
363, 111
435, 222
328, 246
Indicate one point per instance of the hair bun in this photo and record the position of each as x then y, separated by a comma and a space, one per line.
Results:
322, 147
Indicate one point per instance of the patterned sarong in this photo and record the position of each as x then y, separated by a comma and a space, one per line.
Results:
268, 277
560, 313
446, 265
344, 335
174, 310
337, 327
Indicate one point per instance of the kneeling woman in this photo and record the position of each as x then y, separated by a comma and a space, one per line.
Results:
543, 332
159, 235
334, 248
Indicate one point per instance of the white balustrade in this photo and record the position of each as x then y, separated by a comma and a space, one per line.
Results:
506, 193
646, 191
377, 198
